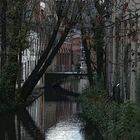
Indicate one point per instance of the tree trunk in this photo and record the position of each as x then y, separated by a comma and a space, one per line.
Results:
88, 60
44, 55
32, 81
3, 32
10, 71
29, 125
3, 10
100, 61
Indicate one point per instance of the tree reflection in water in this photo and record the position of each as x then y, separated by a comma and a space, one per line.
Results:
30, 125
11, 126
7, 127
41, 115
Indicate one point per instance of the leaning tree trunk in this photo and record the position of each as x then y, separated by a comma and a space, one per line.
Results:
31, 82
29, 125
50, 52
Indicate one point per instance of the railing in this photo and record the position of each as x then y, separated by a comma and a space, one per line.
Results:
63, 68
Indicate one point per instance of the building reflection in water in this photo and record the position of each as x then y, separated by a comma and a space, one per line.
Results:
75, 84
33, 122
19, 126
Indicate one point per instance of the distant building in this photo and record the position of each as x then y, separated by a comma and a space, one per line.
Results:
68, 57
64, 57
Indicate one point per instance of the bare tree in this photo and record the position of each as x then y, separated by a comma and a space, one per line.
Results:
92, 29
68, 14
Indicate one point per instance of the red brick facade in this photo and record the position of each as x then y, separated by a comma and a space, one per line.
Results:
68, 56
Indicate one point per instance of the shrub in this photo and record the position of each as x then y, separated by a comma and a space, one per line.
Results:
114, 121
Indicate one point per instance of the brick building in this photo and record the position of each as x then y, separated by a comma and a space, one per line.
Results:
68, 57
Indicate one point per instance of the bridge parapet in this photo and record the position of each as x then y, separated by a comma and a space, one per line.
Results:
58, 77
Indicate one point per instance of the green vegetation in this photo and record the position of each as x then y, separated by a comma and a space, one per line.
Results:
114, 121
19, 18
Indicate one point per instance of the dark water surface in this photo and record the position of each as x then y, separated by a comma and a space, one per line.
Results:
44, 120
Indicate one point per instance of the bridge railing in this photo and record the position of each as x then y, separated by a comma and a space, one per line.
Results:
63, 68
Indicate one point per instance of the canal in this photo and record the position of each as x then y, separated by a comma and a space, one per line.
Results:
46, 120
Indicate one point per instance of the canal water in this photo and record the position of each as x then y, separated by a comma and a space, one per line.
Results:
45, 120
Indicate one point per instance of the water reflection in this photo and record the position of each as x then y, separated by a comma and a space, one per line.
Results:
33, 131
42, 121
12, 127
7, 127
75, 84
65, 130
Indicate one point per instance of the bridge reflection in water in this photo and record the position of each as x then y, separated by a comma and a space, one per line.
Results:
43, 120
75, 84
